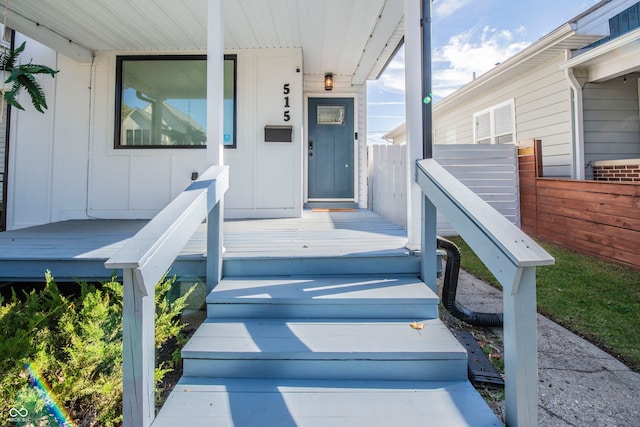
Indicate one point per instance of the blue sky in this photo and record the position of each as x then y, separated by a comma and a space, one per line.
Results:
467, 36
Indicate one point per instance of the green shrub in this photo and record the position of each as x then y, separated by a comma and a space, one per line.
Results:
65, 351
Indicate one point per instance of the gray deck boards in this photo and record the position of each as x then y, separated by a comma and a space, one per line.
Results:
249, 403
78, 249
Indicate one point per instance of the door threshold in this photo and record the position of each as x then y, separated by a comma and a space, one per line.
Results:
332, 206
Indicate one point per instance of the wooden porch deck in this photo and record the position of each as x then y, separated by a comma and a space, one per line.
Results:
78, 249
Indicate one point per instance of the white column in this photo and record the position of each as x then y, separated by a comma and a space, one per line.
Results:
215, 83
413, 95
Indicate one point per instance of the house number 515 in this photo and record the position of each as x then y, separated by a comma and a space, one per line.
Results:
285, 91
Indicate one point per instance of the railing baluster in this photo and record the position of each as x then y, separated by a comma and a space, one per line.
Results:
138, 358
521, 350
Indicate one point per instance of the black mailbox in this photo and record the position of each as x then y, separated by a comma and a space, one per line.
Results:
276, 133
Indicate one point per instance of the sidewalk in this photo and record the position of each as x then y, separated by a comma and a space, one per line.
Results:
579, 384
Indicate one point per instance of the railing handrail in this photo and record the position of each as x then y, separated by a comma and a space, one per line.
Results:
521, 249
512, 257
144, 259
171, 228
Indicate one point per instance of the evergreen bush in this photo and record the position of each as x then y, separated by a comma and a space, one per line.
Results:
61, 355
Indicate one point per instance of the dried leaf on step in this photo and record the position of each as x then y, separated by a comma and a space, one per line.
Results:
417, 326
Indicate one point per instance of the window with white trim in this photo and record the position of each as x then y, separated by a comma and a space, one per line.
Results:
495, 125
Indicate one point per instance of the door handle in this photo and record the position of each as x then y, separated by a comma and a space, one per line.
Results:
310, 145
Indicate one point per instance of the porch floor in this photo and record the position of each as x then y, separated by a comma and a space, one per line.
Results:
77, 249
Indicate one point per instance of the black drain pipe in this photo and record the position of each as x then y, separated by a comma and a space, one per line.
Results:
450, 286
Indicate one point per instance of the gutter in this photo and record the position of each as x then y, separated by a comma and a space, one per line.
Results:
577, 124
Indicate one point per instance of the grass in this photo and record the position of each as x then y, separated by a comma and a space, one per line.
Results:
597, 300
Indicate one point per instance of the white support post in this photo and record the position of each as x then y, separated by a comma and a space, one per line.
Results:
215, 221
215, 83
138, 359
429, 259
521, 350
413, 94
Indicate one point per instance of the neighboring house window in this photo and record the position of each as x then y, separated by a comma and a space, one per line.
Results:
161, 101
495, 125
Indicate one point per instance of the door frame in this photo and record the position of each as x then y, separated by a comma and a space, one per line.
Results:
305, 146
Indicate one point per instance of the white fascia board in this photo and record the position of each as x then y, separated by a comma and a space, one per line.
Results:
49, 38
620, 50
390, 18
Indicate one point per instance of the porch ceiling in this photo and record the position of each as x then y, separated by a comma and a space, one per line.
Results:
347, 37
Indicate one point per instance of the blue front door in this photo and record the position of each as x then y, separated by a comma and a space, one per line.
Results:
330, 148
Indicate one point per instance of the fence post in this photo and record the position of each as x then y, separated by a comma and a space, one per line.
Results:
138, 358
537, 154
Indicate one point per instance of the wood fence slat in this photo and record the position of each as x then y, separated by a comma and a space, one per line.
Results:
597, 250
603, 234
619, 217
608, 200
623, 189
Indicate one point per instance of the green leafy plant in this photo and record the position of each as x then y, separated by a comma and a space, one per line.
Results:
65, 351
23, 76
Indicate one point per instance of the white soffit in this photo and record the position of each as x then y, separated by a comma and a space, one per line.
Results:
345, 37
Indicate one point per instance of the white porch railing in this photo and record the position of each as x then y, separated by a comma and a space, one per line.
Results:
144, 260
512, 257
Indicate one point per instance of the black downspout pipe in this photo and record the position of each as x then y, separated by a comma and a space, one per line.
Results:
450, 287
427, 127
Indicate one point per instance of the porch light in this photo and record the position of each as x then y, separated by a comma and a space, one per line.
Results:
328, 81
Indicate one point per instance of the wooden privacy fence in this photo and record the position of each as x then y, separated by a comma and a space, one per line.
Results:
593, 217
490, 171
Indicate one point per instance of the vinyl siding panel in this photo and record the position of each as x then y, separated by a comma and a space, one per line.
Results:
542, 110
611, 120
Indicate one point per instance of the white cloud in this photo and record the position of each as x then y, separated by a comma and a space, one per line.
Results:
467, 53
444, 8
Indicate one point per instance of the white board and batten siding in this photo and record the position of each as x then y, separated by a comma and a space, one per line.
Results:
490, 171
542, 104
611, 120
266, 177
3, 153
99, 181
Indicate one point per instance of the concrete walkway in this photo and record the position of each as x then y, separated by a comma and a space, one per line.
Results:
579, 384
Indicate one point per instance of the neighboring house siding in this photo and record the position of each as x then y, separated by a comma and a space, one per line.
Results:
611, 120
542, 109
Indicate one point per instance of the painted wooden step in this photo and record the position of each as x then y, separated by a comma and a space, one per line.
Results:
297, 263
285, 403
390, 297
322, 349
